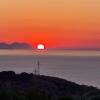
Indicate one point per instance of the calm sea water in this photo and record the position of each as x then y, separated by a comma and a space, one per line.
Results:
82, 67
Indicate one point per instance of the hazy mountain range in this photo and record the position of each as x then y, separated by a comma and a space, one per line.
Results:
15, 45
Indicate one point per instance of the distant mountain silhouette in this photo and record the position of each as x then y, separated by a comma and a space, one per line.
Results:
15, 45
4, 46
38, 87
20, 46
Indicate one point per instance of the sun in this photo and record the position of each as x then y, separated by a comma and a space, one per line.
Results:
40, 46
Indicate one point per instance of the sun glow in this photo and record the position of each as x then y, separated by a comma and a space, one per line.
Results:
40, 47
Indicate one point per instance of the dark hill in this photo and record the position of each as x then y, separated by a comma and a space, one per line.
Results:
38, 87
4, 46
20, 46
15, 45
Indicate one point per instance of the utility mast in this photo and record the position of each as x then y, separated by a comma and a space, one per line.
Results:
37, 68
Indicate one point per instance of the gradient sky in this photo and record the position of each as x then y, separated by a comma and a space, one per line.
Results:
56, 23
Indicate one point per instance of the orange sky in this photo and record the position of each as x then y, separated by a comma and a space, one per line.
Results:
57, 23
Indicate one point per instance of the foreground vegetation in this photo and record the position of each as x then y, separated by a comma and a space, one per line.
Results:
37, 87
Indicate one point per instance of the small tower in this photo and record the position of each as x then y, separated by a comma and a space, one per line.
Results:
37, 68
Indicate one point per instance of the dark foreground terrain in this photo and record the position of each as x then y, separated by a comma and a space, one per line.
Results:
37, 87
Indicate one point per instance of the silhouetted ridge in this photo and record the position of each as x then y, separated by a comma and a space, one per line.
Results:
15, 45
4, 46
26, 86
20, 46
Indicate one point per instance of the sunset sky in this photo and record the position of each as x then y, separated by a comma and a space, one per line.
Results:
56, 23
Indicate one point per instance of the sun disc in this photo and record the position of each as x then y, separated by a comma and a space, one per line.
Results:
40, 47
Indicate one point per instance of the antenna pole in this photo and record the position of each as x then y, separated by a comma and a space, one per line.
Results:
38, 67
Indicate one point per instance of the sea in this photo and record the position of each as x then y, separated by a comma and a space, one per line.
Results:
82, 67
